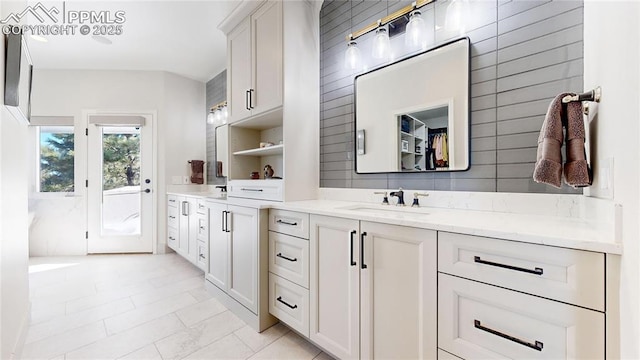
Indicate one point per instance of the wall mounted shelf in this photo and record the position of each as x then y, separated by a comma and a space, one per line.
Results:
265, 151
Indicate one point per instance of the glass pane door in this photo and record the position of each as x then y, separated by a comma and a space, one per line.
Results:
121, 192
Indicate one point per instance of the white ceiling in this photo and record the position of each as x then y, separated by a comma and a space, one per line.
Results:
175, 36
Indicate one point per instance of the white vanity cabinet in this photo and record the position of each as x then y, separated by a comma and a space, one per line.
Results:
187, 226
557, 310
255, 63
238, 261
372, 289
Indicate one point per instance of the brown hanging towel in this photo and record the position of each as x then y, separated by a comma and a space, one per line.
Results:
197, 171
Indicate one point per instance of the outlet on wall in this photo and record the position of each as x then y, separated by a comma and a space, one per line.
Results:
605, 179
185, 180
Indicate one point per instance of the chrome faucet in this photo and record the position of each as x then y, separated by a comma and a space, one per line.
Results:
415, 202
400, 195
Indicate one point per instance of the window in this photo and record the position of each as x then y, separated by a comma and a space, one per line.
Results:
56, 159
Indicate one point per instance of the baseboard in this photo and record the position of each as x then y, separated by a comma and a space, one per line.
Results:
22, 335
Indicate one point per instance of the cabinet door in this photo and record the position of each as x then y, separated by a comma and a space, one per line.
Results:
398, 292
334, 300
239, 67
243, 256
266, 32
218, 246
183, 237
193, 230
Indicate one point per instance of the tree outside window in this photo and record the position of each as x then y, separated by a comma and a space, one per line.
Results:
56, 159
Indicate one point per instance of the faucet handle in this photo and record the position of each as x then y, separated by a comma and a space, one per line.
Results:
415, 202
385, 199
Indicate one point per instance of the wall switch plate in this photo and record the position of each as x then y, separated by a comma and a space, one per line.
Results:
605, 179
176, 180
185, 180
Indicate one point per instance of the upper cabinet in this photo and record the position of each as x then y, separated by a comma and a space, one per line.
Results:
273, 110
255, 63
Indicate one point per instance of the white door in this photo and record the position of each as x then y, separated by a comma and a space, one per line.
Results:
398, 292
218, 245
243, 223
334, 285
120, 184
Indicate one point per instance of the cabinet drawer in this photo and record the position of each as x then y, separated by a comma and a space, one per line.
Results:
172, 238
255, 189
201, 255
203, 228
289, 222
201, 207
172, 200
172, 217
289, 303
289, 258
480, 321
572, 276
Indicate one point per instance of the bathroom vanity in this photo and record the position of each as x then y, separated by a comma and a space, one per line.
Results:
365, 280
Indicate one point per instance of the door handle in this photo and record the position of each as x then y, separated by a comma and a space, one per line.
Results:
224, 218
184, 208
362, 264
146, 190
351, 235
227, 222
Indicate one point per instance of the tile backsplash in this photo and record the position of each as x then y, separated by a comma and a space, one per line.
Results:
523, 53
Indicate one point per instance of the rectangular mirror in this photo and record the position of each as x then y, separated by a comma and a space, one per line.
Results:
413, 115
222, 153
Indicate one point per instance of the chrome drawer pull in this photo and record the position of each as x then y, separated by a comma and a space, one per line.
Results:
171, 238
171, 217
286, 223
536, 346
284, 302
202, 256
172, 200
536, 271
245, 189
286, 258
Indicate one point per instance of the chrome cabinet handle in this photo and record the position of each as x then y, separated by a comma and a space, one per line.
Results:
185, 208
226, 222
351, 236
286, 258
224, 217
284, 302
172, 200
536, 271
171, 217
279, 221
537, 345
362, 264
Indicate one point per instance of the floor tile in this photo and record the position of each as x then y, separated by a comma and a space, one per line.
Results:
201, 311
65, 323
148, 352
201, 294
146, 313
124, 343
202, 334
256, 341
290, 346
43, 311
156, 294
60, 344
105, 297
229, 347
323, 356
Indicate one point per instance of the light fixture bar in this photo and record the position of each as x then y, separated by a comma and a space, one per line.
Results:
389, 18
218, 106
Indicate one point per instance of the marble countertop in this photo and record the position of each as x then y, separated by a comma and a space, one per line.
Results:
574, 233
546, 230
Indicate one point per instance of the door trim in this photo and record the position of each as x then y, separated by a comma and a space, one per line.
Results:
155, 186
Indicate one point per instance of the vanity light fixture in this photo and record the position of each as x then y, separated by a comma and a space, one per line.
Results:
218, 114
416, 31
456, 15
352, 55
381, 42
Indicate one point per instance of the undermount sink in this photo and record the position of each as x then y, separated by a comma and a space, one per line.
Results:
388, 210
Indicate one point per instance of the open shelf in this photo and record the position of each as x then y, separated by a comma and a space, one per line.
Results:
265, 151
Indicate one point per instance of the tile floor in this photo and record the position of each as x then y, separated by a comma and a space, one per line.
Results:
141, 307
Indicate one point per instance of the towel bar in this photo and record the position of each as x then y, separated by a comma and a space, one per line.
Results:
593, 95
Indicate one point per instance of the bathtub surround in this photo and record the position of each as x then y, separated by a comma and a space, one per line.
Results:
523, 53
